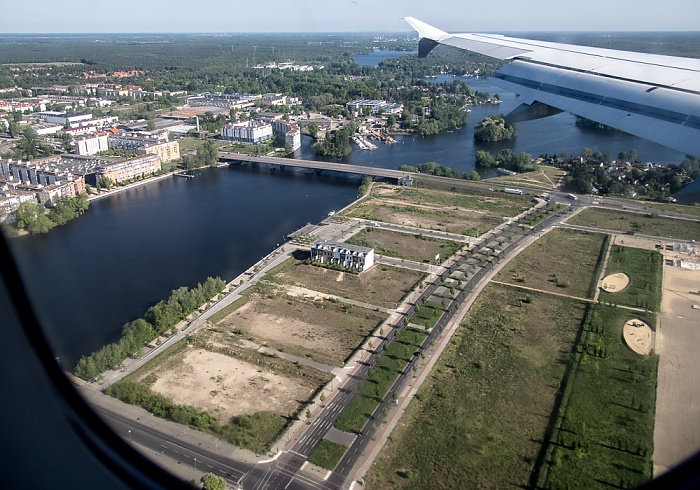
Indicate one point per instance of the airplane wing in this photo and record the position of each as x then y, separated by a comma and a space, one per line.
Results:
652, 96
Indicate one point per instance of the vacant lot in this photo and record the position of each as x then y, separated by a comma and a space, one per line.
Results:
464, 213
325, 330
644, 268
495, 203
479, 421
461, 222
404, 245
646, 224
381, 285
225, 386
562, 261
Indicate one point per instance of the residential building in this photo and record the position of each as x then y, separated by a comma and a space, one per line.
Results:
254, 131
128, 169
374, 107
91, 145
292, 133
349, 256
168, 151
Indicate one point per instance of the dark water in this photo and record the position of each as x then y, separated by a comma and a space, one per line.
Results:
89, 277
377, 56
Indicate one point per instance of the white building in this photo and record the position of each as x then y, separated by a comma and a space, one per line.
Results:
345, 255
247, 131
91, 145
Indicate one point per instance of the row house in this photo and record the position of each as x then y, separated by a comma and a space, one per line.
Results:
345, 255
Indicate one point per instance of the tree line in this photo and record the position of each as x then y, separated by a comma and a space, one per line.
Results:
159, 319
36, 218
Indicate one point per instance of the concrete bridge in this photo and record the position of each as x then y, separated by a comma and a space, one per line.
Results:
403, 178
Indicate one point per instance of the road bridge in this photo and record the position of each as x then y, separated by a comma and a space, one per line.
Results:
404, 178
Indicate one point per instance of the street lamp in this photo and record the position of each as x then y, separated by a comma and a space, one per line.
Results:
195, 464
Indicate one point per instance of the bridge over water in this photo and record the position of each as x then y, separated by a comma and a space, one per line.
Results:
401, 177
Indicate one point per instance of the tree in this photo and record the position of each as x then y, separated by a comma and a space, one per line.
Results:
210, 481
473, 175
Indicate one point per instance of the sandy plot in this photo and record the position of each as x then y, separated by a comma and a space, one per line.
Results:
225, 386
307, 324
677, 431
614, 283
638, 336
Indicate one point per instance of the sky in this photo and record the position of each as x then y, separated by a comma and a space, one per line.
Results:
236, 16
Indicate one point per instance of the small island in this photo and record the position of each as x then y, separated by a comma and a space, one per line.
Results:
494, 128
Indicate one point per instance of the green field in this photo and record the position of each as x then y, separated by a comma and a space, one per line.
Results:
562, 261
644, 267
604, 437
646, 224
479, 421
327, 454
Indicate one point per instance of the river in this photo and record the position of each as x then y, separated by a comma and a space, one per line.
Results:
89, 277
92, 275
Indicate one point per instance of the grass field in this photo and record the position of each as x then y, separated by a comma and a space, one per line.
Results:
327, 454
404, 245
646, 224
562, 261
381, 285
644, 268
604, 438
480, 420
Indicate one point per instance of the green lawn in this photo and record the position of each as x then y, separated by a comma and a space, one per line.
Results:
644, 267
604, 438
327, 454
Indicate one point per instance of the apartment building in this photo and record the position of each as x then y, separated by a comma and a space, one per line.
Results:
91, 145
254, 131
124, 170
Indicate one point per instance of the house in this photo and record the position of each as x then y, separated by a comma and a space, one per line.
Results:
345, 255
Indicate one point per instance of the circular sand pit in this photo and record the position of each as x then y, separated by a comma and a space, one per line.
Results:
638, 336
614, 283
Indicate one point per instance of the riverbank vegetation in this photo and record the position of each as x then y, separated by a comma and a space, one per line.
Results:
507, 159
37, 218
159, 319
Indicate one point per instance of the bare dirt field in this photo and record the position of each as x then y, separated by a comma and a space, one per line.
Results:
381, 285
469, 223
677, 430
226, 386
325, 330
